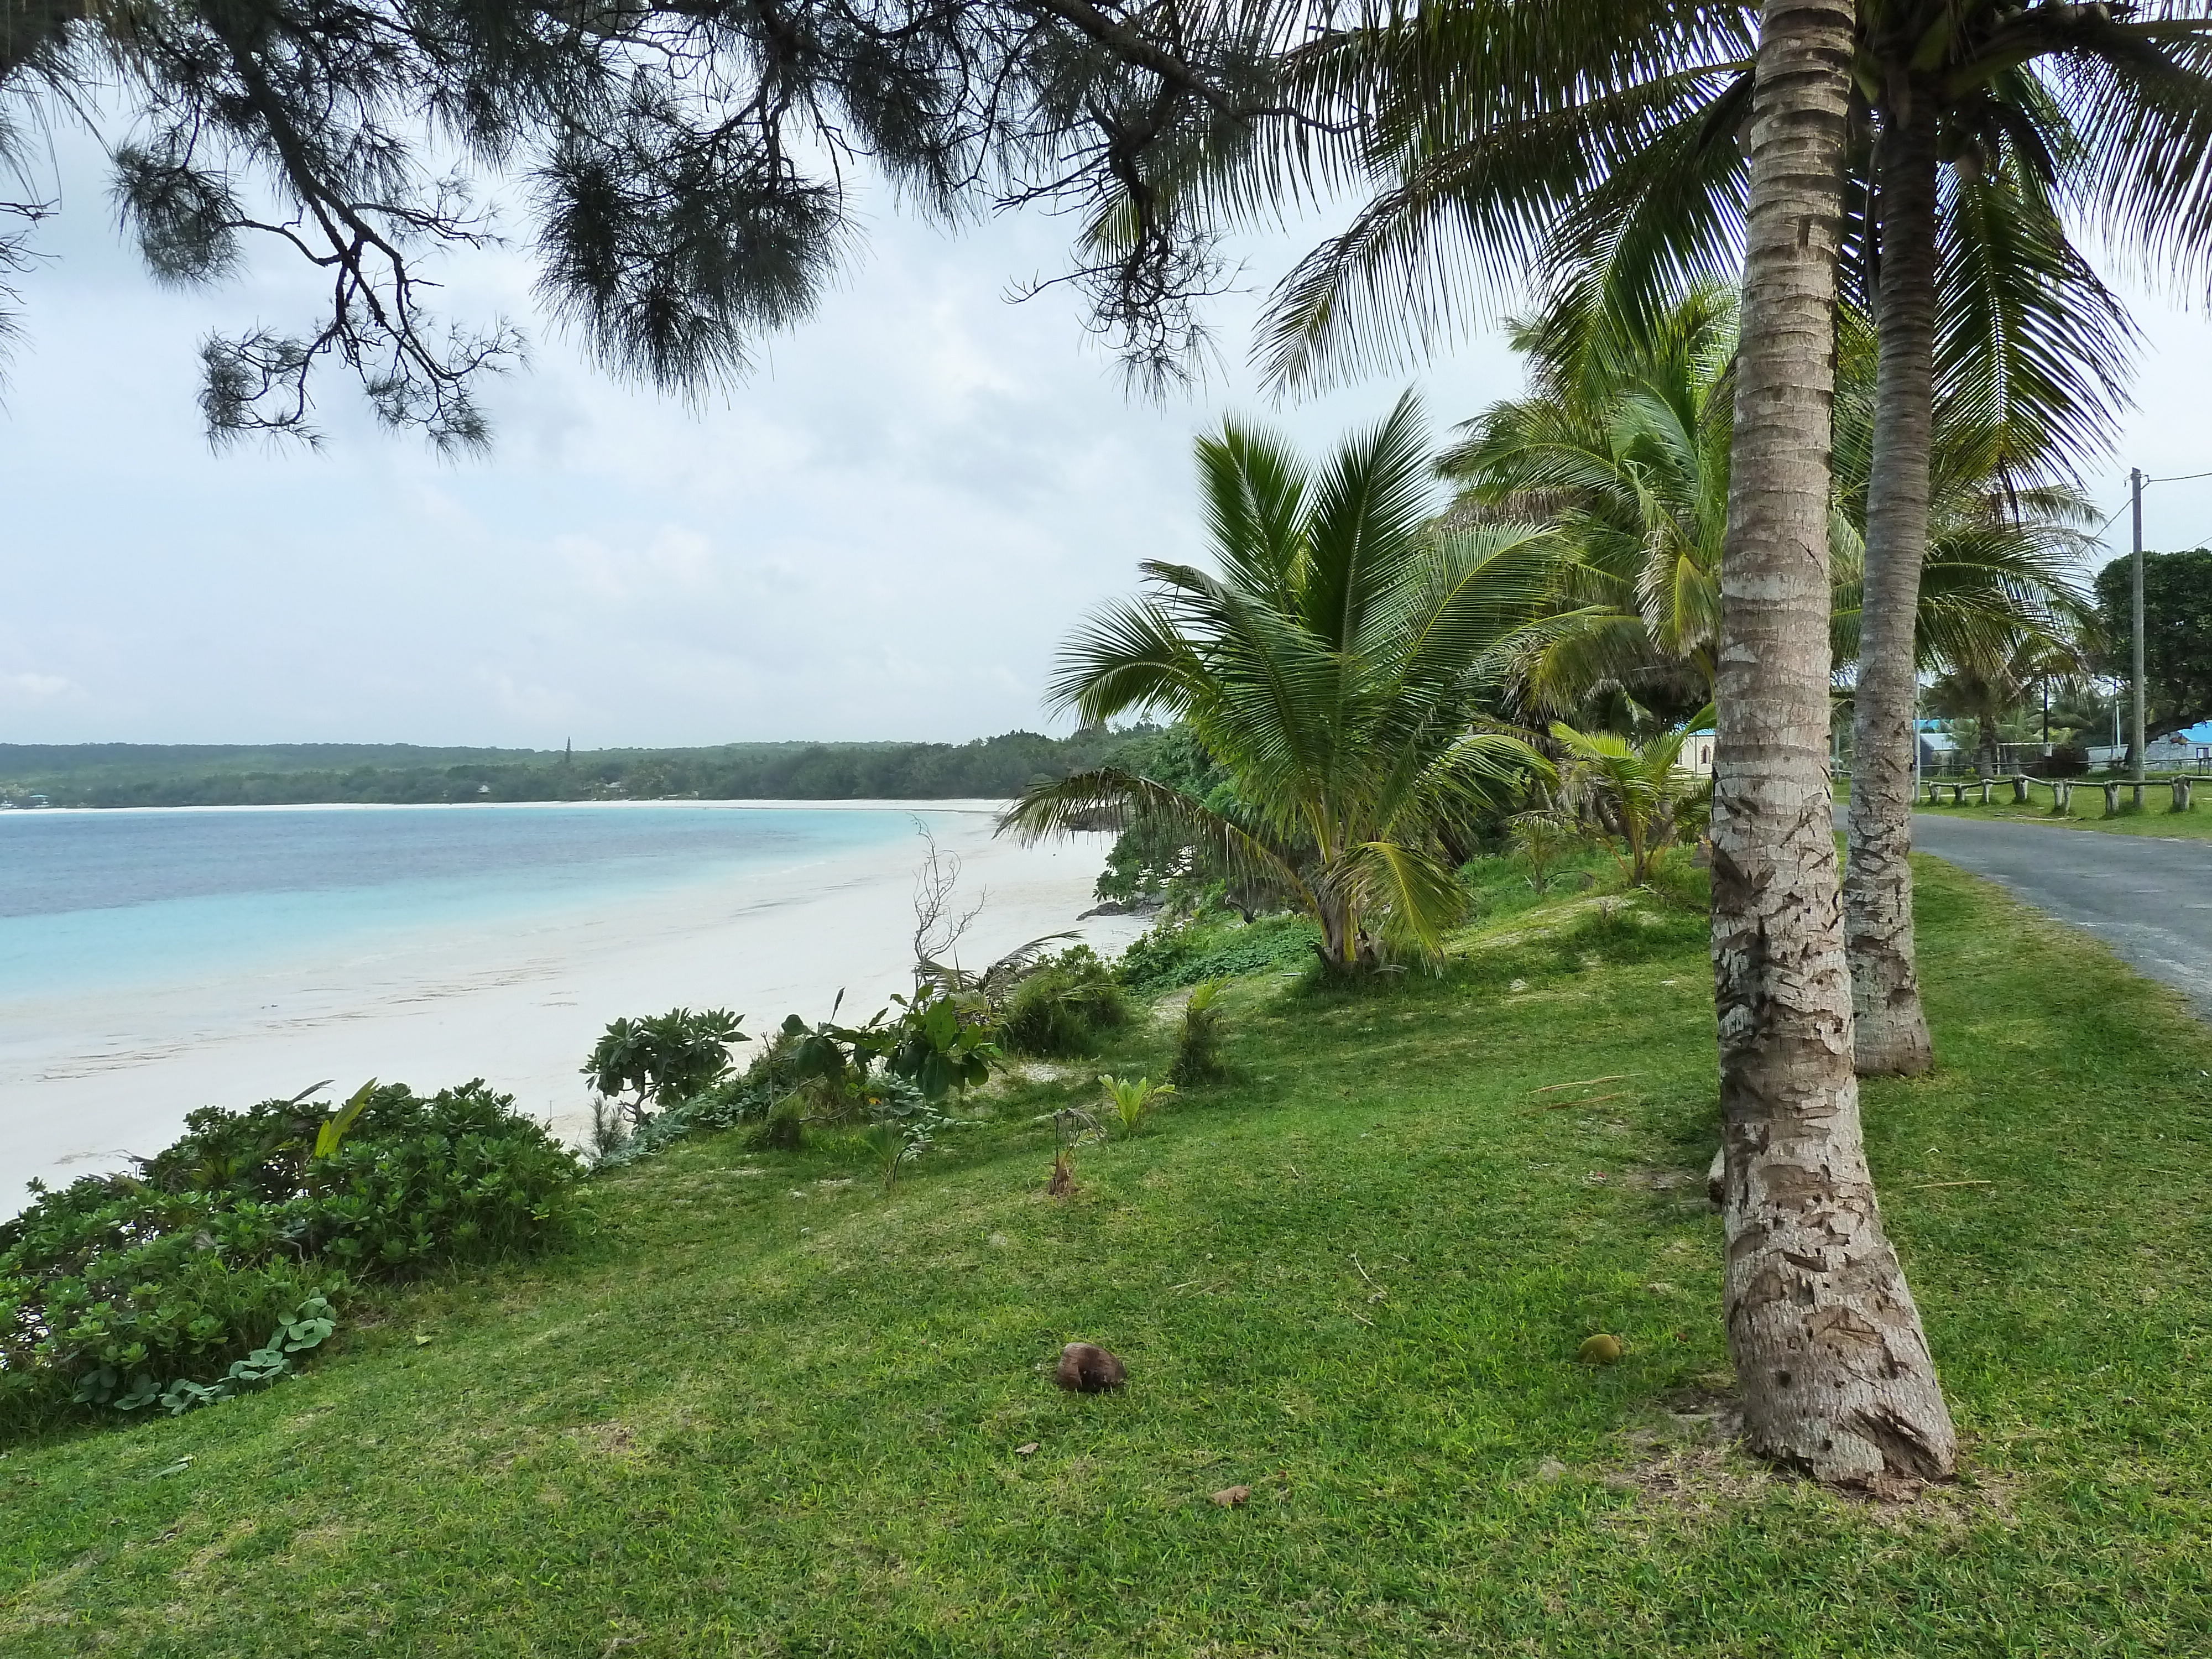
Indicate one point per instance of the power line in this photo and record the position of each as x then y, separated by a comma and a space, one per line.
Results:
2183, 478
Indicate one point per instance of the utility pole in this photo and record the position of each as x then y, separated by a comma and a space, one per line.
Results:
2135, 771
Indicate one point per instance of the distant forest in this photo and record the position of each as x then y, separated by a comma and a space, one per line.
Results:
222, 775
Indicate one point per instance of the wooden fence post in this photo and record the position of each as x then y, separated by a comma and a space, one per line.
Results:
2020, 789
2180, 794
2111, 800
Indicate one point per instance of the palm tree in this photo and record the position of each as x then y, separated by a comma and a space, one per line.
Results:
1632, 789
1623, 444
1488, 123
2049, 99
1973, 123
1838, 1376
1337, 664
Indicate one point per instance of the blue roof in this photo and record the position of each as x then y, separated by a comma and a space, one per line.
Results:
2200, 733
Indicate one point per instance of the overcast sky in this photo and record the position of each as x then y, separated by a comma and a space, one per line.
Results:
883, 535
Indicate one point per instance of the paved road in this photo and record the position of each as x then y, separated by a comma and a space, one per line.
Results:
2149, 899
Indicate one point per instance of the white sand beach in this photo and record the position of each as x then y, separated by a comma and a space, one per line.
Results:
85, 1081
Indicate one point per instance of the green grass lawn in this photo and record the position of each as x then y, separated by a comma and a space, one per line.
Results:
770, 1410
2157, 817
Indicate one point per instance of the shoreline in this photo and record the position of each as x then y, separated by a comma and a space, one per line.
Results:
85, 1081
963, 804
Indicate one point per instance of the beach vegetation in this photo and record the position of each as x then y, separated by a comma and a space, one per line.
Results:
1156, 861
891, 1141
783, 1127
1989, 153
663, 1058
1338, 662
735, 1100
1936, 153
306, 1327
1064, 1007
1200, 1038
829, 1068
849, 1078
844, 1078
942, 1042
169, 1282
1172, 953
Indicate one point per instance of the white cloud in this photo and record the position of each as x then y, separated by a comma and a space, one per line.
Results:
672, 561
35, 689
883, 534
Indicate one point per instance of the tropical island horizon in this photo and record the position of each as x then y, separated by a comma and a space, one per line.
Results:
139, 775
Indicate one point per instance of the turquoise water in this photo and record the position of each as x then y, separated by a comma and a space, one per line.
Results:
105, 899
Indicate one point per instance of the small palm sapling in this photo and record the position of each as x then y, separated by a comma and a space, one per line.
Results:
1198, 1045
1132, 1100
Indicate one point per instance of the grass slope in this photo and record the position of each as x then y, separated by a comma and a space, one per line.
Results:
772, 1413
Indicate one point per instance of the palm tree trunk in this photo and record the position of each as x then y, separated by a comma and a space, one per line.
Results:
1891, 1028
1835, 1375
1338, 946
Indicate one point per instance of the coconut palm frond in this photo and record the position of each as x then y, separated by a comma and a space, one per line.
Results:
1104, 797
1414, 895
1345, 667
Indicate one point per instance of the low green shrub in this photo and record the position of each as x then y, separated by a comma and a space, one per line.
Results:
121, 1290
889, 1069
616, 1140
783, 1129
1064, 1006
308, 1326
663, 1058
1172, 956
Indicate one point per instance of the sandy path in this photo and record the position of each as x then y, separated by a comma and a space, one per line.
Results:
85, 1081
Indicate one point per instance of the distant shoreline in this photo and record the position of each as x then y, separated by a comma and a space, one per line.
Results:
115, 777
833, 803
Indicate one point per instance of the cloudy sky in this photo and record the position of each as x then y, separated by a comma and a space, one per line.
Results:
883, 535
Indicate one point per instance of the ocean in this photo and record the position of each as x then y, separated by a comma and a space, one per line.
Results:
93, 901
153, 962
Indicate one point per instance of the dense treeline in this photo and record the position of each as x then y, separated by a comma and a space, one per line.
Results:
149, 774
